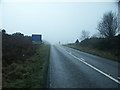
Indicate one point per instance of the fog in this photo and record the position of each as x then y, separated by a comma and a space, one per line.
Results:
56, 21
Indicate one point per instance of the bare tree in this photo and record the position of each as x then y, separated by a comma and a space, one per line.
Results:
108, 25
84, 35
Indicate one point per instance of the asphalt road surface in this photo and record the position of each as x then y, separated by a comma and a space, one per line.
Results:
70, 68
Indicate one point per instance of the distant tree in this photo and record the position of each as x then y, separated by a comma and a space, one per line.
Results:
84, 35
17, 34
96, 35
108, 25
3, 31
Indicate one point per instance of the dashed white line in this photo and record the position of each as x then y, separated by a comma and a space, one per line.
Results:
50, 85
83, 61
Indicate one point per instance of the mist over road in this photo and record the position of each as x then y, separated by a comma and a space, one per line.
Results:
70, 68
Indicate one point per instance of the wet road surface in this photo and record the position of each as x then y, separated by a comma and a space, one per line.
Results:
70, 68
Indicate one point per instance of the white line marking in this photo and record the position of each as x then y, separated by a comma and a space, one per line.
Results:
82, 59
110, 77
69, 52
50, 85
118, 78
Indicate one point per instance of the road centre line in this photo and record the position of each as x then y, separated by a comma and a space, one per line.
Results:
98, 70
82, 59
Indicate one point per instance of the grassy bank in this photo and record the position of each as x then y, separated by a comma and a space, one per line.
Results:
30, 73
104, 54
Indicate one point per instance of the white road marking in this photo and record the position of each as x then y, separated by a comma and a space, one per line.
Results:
50, 85
118, 78
70, 53
82, 60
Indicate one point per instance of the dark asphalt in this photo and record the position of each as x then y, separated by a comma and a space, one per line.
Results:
66, 71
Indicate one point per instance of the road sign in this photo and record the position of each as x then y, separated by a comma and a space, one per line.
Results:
36, 38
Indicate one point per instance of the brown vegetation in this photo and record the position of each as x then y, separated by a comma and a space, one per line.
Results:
105, 47
24, 65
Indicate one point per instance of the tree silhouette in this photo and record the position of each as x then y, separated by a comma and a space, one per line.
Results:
84, 35
3, 31
108, 25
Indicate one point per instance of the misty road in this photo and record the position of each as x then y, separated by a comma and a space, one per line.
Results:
70, 68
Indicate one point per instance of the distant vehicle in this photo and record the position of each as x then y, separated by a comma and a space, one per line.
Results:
36, 38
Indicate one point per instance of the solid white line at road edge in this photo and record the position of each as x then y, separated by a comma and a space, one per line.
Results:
115, 80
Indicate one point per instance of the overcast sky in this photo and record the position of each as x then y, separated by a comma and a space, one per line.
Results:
56, 21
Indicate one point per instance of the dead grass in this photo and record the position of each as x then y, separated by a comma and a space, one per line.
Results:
105, 54
32, 73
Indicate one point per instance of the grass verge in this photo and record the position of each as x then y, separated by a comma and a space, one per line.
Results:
104, 54
31, 73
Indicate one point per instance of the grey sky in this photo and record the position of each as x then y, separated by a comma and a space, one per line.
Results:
62, 21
